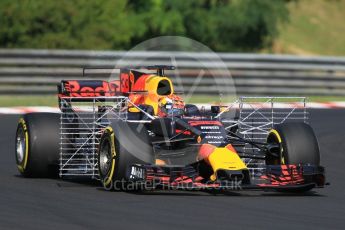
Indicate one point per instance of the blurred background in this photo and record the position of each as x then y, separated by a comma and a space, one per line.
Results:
271, 47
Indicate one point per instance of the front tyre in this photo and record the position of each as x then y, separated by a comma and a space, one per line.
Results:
298, 145
122, 145
107, 158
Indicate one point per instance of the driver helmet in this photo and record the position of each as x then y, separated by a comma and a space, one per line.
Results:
172, 105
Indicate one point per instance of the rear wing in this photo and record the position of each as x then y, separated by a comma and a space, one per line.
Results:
88, 88
128, 77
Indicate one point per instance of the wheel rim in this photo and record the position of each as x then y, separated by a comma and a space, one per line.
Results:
274, 138
20, 145
105, 158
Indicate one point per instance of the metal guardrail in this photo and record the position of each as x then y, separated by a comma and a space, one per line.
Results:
38, 71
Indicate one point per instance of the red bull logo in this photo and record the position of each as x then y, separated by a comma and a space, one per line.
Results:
90, 88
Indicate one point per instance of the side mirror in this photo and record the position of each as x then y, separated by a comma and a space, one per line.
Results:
215, 109
191, 110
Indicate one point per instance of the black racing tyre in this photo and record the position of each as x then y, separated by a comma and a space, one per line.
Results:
37, 145
122, 144
298, 145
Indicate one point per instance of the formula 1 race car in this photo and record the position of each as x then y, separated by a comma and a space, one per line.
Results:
138, 131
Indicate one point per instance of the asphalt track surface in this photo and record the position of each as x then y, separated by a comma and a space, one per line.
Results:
56, 204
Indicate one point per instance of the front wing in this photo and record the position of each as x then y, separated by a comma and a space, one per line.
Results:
273, 177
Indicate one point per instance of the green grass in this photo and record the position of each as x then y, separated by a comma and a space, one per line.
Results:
12, 101
316, 27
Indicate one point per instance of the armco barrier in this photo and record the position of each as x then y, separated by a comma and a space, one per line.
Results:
38, 71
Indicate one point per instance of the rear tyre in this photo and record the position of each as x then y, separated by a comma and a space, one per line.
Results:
122, 145
37, 145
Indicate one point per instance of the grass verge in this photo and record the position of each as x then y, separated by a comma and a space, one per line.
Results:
50, 100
